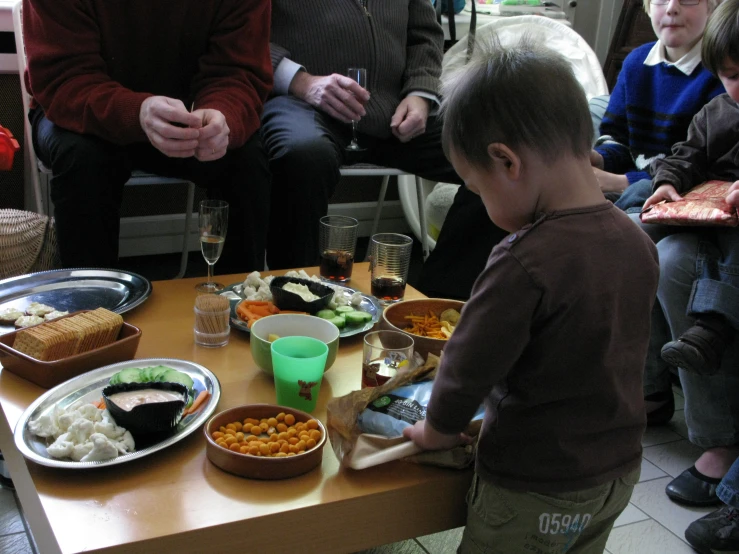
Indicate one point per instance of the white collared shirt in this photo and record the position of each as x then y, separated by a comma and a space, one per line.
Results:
686, 64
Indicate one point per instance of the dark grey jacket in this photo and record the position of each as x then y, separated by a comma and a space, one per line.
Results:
399, 42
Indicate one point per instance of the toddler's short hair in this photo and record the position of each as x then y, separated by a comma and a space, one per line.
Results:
721, 37
524, 95
711, 5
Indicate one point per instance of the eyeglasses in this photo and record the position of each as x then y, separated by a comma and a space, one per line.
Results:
682, 2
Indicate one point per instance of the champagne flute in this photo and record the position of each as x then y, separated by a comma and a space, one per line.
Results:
358, 74
213, 223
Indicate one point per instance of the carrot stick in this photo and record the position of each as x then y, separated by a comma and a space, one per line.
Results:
197, 403
260, 310
256, 302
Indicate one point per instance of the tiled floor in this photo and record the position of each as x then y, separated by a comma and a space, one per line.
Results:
651, 524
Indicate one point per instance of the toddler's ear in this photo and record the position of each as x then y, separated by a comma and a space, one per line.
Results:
505, 158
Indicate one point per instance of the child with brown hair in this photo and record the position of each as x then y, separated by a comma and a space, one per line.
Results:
554, 337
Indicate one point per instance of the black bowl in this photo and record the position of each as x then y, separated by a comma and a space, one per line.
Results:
286, 300
156, 417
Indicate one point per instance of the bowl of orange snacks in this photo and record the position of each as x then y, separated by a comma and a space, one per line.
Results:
428, 321
265, 441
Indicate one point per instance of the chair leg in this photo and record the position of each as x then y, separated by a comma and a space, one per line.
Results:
422, 218
378, 212
186, 234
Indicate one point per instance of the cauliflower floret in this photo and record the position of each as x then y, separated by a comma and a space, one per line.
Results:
268, 279
249, 291
90, 412
109, 428
254, 279
356, 299
80, 430
44, 426
61, 447
263, 294
125, 444
102, 449
81, 450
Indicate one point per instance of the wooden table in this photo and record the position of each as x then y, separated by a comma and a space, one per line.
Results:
176, 501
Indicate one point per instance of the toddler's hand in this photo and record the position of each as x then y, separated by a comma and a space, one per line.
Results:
663, 192
428, 438
732, 196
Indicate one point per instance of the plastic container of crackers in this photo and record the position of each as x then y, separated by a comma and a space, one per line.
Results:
53, 352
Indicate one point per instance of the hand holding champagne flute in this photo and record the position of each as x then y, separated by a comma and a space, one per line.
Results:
358, 74
213, 224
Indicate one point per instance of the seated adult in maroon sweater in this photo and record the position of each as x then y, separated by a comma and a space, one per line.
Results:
172, 87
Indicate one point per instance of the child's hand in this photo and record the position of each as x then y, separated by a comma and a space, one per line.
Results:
596, 159
663, 192
428, 438
732, 196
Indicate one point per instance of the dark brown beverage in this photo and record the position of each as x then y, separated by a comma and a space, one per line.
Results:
336, 265
388, 288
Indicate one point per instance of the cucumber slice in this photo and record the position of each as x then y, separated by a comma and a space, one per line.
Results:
356, 318
130, 375
366, 315
174, 376
339, 321
158, 371
326, 314
344, 309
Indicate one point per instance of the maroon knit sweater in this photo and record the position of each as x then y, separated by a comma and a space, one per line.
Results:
91, 63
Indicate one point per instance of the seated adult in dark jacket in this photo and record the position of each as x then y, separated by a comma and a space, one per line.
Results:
115, 88
306, 125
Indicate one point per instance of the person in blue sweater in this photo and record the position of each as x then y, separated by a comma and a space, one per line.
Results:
661, 86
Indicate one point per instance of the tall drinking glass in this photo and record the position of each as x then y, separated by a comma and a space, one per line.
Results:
358, 74
390, 258
213, 223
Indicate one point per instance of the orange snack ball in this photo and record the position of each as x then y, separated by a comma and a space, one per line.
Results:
286, 436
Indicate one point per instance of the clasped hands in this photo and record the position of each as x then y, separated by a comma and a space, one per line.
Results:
179, 133
343, 99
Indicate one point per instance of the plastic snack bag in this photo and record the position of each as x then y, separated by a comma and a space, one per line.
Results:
366, 426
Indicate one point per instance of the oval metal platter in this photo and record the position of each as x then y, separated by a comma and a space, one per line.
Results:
369, 304
88, 387
70, 290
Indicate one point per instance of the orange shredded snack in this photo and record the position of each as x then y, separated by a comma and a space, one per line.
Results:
425, 326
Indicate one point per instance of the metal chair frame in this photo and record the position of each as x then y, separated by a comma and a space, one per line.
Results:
40, 174
370, 170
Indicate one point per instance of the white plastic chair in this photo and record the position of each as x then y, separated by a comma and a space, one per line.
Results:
555, 35
39, 174
370, 170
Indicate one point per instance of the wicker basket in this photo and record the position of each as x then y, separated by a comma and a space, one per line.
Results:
27, 243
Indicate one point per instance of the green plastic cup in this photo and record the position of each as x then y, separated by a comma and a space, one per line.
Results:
298, 364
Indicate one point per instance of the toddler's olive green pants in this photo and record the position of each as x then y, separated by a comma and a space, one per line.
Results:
503, 521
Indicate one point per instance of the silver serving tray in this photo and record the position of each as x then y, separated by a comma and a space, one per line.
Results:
369, 304
88, 387
71, 290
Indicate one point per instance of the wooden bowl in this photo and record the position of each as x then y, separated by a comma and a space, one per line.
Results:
393, 319
256, 467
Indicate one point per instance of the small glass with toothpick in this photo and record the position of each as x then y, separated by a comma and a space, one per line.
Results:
212, 314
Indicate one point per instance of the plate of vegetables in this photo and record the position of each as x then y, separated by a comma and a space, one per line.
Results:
350, 310
48, 418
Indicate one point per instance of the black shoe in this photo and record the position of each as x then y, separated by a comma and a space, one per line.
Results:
700, 348
692, 488
715, 532
664, 413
